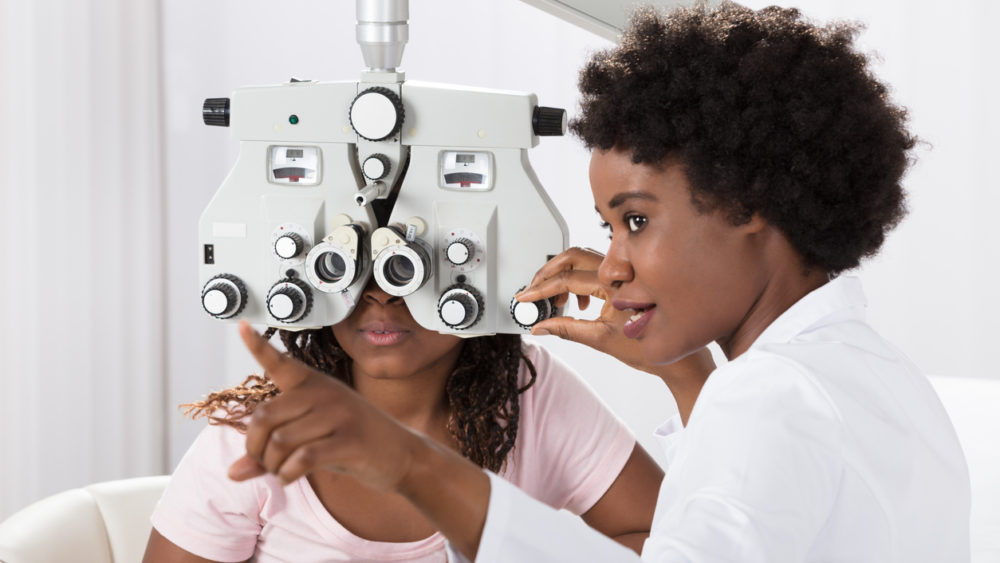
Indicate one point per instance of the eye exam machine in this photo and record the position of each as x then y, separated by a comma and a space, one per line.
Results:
425, 187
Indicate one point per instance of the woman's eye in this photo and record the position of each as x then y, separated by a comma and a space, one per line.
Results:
635, 222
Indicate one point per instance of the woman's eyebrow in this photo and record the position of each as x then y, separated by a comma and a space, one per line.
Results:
623, 197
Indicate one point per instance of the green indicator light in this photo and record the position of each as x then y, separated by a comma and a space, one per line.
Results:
293, 119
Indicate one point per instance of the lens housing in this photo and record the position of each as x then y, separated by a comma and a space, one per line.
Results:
338, 261
402, 269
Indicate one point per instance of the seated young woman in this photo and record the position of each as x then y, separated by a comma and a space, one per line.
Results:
506, 405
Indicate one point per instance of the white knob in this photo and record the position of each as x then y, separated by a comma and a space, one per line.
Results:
288, 246
217, 300
454, 312
459, 252
526, 314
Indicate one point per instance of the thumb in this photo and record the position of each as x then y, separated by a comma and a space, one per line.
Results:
245, 468
588, 333
285, 372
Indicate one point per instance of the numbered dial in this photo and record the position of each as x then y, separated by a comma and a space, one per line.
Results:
289, 300
288, 246
460, 306
462, 250
530, 313
224, 296
376, 114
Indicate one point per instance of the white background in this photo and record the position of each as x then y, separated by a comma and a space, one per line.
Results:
106, 167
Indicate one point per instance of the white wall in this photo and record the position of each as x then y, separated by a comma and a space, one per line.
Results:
931, 291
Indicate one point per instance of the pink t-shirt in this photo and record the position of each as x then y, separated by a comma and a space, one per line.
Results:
570, 448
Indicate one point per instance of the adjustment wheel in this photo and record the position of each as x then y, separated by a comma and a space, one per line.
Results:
289, 300
530, 313
224, 296
460, 306
376, 114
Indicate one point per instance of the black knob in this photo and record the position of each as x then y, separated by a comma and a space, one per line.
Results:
224, 296
368, 112
215, 111
548, 122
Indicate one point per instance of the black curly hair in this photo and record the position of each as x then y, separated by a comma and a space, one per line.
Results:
482, 390
768, 113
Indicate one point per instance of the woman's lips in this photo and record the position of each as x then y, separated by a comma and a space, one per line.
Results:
642, 313
383, 334
383, 338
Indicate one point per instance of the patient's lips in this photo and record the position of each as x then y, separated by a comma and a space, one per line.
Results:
381, 333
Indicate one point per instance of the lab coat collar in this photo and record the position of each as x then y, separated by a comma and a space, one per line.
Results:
838, 300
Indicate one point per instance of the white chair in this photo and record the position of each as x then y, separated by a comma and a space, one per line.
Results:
101, 523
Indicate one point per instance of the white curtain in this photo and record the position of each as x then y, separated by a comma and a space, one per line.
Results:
81, 245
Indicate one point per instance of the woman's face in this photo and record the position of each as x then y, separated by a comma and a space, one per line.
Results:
385, 341
690, 278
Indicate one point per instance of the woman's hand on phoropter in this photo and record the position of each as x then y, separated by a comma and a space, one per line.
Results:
574, 272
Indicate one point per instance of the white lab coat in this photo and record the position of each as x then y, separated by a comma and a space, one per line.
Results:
820, 443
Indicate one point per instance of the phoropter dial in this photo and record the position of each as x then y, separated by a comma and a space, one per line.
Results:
224, 296
460, 306
288, 246
375, 167
376, 114
460, 251
289, 300
530, 313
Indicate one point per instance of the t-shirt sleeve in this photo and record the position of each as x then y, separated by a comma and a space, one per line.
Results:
573, 447
757, 473
203, 511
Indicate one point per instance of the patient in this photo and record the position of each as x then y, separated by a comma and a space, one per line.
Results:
504, 404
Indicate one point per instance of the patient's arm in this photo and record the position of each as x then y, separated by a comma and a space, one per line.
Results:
625, 512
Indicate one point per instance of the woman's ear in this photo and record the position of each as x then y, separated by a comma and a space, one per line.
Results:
755, 225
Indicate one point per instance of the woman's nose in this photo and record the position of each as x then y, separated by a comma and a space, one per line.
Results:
375, 294
615, 269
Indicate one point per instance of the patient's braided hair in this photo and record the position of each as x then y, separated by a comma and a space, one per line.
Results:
482, 390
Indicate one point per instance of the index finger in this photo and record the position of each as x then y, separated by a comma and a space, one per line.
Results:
574, 258
277, 366
582, 283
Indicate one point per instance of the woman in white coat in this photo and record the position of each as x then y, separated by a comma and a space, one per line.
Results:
743, 161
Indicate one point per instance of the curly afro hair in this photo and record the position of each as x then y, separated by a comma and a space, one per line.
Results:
769, 115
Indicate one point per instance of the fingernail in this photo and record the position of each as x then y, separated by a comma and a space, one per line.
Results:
540, 332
